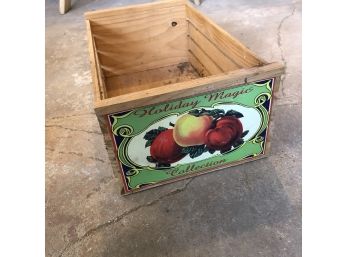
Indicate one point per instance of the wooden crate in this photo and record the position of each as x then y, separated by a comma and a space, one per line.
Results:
175, 95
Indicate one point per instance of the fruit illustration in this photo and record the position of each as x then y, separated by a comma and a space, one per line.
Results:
220, 138
164, 149
190, 130
232, 122
195, 133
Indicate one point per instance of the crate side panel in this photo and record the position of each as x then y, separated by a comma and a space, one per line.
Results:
188, 88
141, 81
197, 65
185, 137
110, 147
231, 47
211, 50
155, 39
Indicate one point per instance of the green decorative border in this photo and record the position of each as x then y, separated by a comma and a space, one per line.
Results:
137, 176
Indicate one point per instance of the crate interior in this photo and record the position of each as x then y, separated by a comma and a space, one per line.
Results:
160, 44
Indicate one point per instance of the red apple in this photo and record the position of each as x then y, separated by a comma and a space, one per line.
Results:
164, 149
220, 138
231, 122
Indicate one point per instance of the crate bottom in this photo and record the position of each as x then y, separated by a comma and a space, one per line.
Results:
135, 82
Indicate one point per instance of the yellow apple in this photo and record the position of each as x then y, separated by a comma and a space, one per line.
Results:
190, 130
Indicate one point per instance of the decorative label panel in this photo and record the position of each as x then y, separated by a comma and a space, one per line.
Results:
191, 135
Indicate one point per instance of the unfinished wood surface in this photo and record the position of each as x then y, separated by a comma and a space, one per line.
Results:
151, 52
111, 150
209, 63
197, 65
188, 88
64, 6
155, 38
145, 16
211, 50
226, 43
277, 84
92, 61
140, 81
100, 74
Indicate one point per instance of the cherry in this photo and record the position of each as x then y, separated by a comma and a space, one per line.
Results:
220, 138
164, 149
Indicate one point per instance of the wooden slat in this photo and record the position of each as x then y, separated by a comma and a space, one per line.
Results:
197, 65
92, 60
146, 53
140, 19
139, 81
64, 6
142, 44
223, 60
121, 34
229, 45
211, 66
100, 74
185, 89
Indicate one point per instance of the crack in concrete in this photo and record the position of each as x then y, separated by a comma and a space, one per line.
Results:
102, 226
77, 154
81, 155
72, 129
247, 182
70, 116
279, 41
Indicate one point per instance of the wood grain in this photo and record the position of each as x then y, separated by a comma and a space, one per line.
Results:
146, 53
153, 53
197, 65
140, 81
64, 6
211, 64
154, 38
229, 45
92, 61
188, 88
225, 62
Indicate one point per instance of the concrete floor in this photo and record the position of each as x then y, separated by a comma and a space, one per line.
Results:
256, 212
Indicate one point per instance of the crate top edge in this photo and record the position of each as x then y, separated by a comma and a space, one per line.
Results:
156, 95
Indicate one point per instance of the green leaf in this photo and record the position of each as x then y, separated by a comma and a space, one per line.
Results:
194, 151
194, 112
238, 143
225, 150
153, 133
217, 113
245, 133
150, 159
234, 113
148, 143
162, 165
198, 152
187, 150
211, 151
